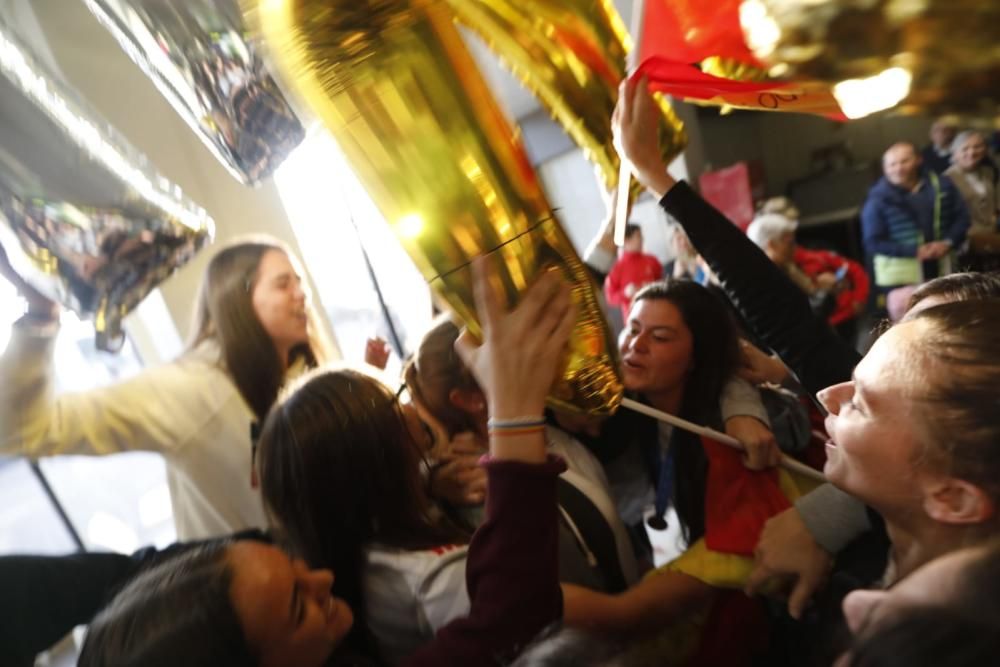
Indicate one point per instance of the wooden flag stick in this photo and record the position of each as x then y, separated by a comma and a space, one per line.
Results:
787, 462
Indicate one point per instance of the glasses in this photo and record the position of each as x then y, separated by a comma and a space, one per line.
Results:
404, 391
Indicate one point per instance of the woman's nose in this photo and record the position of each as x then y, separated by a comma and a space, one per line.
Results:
319, 581
832, 397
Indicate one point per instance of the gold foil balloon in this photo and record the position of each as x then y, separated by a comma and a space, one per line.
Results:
949, 50
396, 86
198, 55
83, 218
571, 55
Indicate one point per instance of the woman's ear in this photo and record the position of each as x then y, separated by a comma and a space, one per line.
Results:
469, 401
955, 501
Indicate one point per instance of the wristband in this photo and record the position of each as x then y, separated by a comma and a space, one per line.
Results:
516, 431
515, 422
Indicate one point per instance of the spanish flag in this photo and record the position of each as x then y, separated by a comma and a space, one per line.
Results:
696, 51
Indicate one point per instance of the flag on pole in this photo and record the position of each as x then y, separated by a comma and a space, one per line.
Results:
676, 36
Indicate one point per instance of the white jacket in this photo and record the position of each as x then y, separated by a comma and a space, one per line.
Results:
189, 410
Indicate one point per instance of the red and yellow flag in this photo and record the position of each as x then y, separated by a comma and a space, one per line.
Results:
679, 35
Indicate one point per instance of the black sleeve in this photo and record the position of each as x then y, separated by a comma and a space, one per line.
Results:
44, 597
772, 306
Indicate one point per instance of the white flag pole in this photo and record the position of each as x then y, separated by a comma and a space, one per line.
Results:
625, 171
787, 462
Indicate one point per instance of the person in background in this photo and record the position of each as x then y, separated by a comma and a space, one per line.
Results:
253, 327
976, 178
633, 270
835, 283
937, 155
912, 221
685, 265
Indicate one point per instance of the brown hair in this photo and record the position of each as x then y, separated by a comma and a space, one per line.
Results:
435, 370
959, 342
224, 313
141, 625
715, 358
339, 470
958, 287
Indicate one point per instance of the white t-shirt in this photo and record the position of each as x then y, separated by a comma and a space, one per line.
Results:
410, 595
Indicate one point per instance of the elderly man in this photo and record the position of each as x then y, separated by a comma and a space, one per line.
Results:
911, 221
937, 154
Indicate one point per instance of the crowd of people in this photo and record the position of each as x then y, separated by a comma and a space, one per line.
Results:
327, 518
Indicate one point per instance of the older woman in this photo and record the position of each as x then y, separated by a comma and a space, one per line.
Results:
837, 286
976, 178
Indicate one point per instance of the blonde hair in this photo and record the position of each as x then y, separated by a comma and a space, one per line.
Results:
435, 370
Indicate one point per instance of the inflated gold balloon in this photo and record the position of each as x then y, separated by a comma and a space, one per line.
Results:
948, 47
85, 219
571, 55
396, 86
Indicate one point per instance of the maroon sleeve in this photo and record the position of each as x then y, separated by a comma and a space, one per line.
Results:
512, 572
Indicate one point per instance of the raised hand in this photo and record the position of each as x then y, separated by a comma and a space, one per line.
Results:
757, 367
522, 349
40, 307
376, 353
635, 125
787, 552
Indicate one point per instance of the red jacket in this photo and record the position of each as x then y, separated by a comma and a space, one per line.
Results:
632, 268
815, 262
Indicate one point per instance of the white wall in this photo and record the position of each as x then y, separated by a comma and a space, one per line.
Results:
784, 142
572, 189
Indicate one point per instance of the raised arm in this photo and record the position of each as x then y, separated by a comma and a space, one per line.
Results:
771, 305
159, 409
512, 570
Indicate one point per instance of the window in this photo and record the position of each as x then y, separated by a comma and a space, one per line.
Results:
117, 503
336, 223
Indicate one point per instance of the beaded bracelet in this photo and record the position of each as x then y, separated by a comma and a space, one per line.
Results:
515, 426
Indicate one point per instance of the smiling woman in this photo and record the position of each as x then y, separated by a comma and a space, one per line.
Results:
914, 434
252, 324
287, 610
